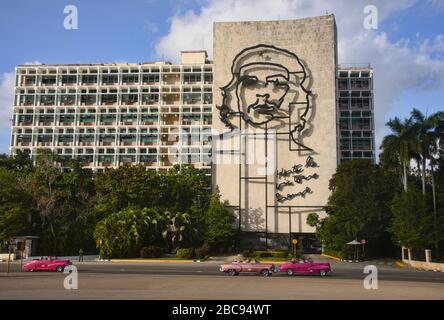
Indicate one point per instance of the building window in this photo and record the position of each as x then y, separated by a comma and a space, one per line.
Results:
361, 144
130, 98
66, 100
150, 78
343, 84
108, 99
192, 78
49, 80
89, 79
110, 79
69, 79
87, 99
130, 79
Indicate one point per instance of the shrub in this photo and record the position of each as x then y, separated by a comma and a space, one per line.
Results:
279, 254
121, 234
202, 252
270, 253
219, 220
185, 253
151, 252
262, 254
247, 253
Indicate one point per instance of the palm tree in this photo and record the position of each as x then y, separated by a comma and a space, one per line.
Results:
428, 132
399, 144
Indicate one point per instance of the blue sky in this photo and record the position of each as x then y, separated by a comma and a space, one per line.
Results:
108, 31
407, 49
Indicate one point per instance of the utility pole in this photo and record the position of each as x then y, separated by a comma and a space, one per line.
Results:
9, 257
435, 213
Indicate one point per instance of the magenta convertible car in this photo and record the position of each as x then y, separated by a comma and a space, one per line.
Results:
47, 264
305, 267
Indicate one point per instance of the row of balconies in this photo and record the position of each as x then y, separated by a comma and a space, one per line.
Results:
345, 104
361, 84
110, 143
53, 102
115, 123
165, 81
157, 160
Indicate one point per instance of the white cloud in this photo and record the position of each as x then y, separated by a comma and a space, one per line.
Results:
192, 30
436, 4
7, 82
398, 66
151, 27
33, 63
435, 45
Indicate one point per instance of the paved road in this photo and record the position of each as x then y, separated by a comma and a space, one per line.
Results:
203, 281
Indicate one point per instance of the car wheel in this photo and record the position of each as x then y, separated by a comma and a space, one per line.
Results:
265, 273
232, 272
59, 268
290, 272
322, 273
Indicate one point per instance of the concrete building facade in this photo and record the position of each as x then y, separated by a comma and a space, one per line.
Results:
156, 114
270, 119
277, 92
356, 112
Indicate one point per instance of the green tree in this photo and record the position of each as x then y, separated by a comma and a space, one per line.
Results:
411, 224
76, 194
219, 220
62, 200
177, 229
19, 162
124, 233
16, 216
397, 147
427, 133
357, 208
116, 189
180, 190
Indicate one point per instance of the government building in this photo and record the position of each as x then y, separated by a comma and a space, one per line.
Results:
154, 113
269, 119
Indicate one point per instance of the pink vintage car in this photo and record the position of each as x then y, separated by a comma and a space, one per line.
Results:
305, 267
47, 264
236, 267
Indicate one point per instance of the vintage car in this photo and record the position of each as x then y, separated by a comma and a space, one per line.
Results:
236, 267
305, 267
47, 264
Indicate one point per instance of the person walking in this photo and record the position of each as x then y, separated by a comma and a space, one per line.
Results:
80, 255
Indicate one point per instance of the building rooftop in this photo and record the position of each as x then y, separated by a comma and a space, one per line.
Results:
355, 66
188, 57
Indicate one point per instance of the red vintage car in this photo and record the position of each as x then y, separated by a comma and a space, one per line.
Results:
236, 267
47, 264
305, 267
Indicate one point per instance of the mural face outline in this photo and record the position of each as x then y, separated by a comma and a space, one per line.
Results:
260, 91
263, 76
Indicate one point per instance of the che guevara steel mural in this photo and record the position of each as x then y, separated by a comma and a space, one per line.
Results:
268, 84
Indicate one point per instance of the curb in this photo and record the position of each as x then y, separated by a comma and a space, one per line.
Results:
400, 264
331, 257
149, 260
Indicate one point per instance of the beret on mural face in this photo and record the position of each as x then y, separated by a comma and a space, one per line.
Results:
267, 55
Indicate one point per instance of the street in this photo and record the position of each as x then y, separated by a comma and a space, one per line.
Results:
194, 280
